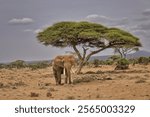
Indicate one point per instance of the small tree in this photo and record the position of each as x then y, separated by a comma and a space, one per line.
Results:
115, 58
2, 65
122, 64
17, 64
123, 51
92, 38
143, 60
96, 62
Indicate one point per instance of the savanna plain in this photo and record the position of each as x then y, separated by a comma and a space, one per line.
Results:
95, 83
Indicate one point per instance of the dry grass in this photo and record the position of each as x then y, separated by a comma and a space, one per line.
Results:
94, 83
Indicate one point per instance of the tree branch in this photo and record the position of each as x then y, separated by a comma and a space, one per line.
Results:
95, 52
77, 51
84, 52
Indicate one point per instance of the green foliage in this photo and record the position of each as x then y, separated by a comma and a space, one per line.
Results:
96, 62
115, 58
65, 34
2, 66
133, 61
22, 64
17, 64
117, 36
108, 62
122, 64
143, 60
39, 65
101, 62
87, 35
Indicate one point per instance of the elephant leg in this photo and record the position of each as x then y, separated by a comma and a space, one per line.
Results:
69, 75
59, 77
66, 77
55, 75
59, 72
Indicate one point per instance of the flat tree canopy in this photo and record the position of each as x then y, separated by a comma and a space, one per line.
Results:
87, 35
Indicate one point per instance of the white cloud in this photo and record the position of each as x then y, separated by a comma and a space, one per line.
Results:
98, 18
37, 31
92, 16
22, 21
107, 20
146, 12
41, 28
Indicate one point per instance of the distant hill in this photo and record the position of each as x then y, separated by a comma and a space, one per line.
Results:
139, 54
37, 61
134, 55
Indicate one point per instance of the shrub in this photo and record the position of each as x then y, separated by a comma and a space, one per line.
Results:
115, 58
109, 62
2, 66
143, 60
39, 65
122, 64
17, 64
96, 62
101, 62
133, 61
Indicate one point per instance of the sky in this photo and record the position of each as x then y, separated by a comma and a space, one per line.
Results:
21, 20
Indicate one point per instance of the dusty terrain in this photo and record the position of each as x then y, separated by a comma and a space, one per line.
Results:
95, 83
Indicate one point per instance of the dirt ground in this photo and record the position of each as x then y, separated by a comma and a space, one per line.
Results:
98, 83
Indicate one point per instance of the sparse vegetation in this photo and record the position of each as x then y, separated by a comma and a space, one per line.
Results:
122, 64
109, 62
96, 62
143, 60
115, 58
18, 64
94, 83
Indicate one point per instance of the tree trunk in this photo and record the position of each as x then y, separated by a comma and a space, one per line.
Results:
79, 69
84, 59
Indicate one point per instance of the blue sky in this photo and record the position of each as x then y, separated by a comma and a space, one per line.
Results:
20, 20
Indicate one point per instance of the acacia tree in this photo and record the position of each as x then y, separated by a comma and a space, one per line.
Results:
123, 51
91, 37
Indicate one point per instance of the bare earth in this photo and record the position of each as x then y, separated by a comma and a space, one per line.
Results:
94, 84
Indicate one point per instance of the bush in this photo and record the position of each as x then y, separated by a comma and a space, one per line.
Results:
133, 61
115, 58
122, 64
96, 62
143, 60
39, 65
17, 64
109, 62
2, 66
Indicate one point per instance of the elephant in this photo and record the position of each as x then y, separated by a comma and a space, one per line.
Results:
63, 63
